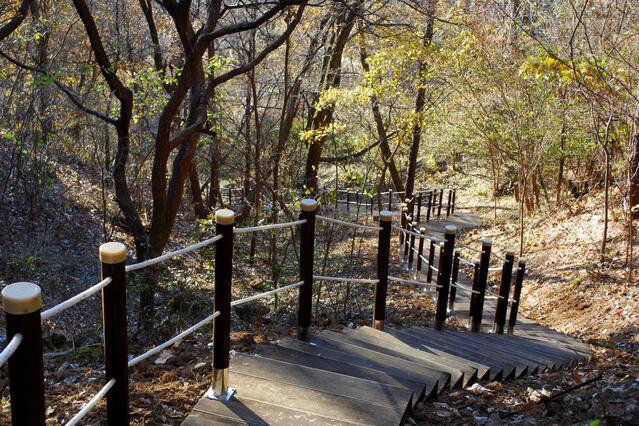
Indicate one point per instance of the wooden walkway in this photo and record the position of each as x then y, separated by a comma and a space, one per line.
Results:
370, 377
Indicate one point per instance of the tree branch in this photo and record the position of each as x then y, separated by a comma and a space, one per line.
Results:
17, 19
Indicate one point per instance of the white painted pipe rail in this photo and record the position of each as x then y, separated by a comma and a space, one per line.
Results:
57, 309
89, 405
345, 280
166, 256
413, 282
138, 359
351, 224
268, 227
266, 294
10, 349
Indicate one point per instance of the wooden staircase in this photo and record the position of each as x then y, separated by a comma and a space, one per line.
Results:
369, 377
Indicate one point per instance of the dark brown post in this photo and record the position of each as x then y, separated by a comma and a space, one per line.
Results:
390, 199
450, 196
411, 251
307, 250
402, 223
419, 207
514, 307
114, 324
504, 292
430, 205
383, 254
420, 252
408, 223
230, 195
348, 201
452, 206
453, 280
22, 306
431, 259
473, 294
481, 284
444, 276
439, 204
224, 223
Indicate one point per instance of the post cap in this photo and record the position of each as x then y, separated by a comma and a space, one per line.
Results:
308, 205
225, 217
510, 252
22, 298
422, 229
405, 208
385, 216
414, 224
451, 229
487, 242
407, 200
112, 253
522, 261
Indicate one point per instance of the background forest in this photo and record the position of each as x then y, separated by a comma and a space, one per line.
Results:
129, 120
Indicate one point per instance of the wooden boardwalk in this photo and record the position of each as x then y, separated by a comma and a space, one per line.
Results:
371, 377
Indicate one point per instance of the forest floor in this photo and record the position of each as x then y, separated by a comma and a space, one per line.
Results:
567, 289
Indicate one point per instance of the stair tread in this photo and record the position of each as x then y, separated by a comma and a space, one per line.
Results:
322, 380
308, 360
435, 381
377, 340
315, 402
484, 371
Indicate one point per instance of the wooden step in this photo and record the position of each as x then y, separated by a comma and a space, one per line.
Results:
281, 353
543, 354
417, 339
486, 353
315, 402
245, 411
323, 381
409, 344
434, 381
389, 344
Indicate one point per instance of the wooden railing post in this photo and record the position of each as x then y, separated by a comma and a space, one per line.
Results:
504, 292
419, 207
224, 224
348, 201
420, 252
114, 324
439, 204
402, 223
473, 294
22, 306
383, 255
454, 279
514, 307
444, 276
307, 250
411, 251
452, 206
481, 285
450, 199
431, 259
430, 205
390, 200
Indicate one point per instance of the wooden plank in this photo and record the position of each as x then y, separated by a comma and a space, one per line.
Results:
487, 352
314, 402
245, 411
528, 348
484, 371
417, 338
435, 380
457, 375
280, 353
323, 381
471, 370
